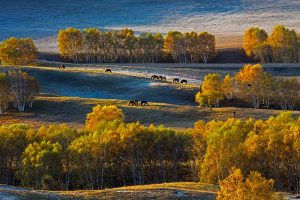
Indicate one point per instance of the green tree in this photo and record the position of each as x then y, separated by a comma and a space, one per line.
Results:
13, 141
40, 160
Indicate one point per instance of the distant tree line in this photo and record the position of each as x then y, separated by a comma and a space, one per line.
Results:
111, 153
281, 46
250, 85
17, 88
92, 45
17, 51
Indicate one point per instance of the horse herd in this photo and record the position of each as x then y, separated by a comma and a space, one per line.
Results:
136, 103
153, 77
163, 78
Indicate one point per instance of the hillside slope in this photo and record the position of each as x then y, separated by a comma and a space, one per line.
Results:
182, 190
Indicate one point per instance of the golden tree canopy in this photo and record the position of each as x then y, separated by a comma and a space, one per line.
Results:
253, 37
103, 113
254, 187
15, 51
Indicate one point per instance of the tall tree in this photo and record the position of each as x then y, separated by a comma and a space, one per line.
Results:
91, 40
4, 92
173, 45
253, 38
228, 86
284, 44
255, 85
14, 51
254, 187
207, 45
23, 89
103, 113
42, 161
70, 43
211, 92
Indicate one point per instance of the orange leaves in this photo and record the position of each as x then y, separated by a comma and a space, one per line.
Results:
253, 37
254, 187
281, 46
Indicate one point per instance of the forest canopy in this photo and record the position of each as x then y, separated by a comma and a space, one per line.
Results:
115, 153
92, 45
18, 88
281, 46
253, 86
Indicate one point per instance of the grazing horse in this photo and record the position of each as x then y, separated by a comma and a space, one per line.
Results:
154, 77
132, 103
176, 80
163, 78
61, 67
108, 70
144, 103
183, 81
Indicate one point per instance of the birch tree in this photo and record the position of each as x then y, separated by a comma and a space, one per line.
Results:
207, 46
253, 38
284, 44
4, 92
254, 85
211, 92
70, 43
91, 40
33, 90
23, 89
18, 88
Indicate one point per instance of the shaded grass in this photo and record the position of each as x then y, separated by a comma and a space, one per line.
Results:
73, 111
74, 68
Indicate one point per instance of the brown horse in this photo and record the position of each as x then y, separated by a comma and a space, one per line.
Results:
108, 70
144, 103
164, 78
61, 67
183, 81
176, 80
154, 77
133, 102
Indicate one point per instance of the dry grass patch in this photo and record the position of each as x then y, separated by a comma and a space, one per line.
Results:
73, 111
